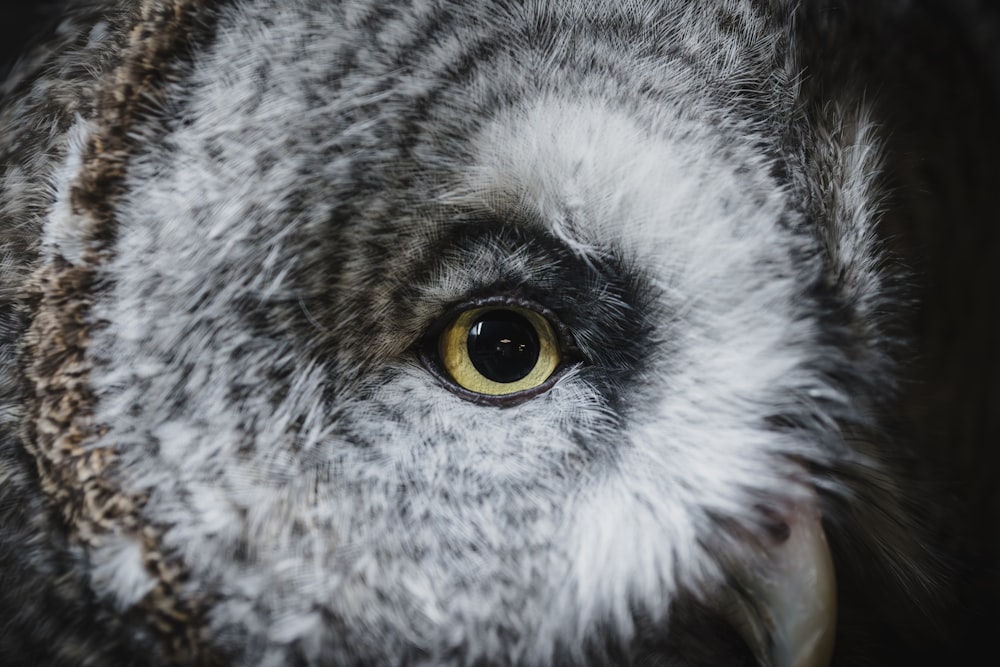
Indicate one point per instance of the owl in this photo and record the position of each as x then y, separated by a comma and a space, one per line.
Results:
507, 332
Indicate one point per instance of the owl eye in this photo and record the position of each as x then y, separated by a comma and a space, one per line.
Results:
499, 350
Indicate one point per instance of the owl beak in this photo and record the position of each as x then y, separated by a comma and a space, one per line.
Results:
786, 608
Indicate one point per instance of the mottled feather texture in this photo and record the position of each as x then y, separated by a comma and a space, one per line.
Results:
228, 228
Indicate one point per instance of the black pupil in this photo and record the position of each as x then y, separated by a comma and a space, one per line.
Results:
503, 346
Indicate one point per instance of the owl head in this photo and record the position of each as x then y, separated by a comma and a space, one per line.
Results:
446, 333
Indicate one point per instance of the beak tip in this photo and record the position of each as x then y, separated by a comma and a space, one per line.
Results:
790, 619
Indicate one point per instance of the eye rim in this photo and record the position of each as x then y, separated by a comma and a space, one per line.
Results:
568, 354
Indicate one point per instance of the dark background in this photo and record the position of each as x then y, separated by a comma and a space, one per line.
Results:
21, 24
931, 71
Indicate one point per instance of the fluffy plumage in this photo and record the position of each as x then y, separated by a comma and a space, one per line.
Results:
229, 228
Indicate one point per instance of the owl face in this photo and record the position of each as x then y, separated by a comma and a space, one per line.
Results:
441, 334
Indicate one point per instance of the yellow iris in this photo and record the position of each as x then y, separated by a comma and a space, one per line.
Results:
499, 350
